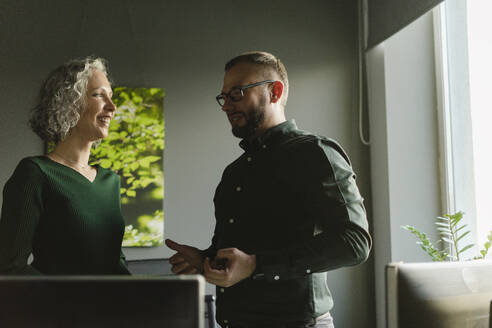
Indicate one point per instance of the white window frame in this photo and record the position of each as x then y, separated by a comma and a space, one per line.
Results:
443, 115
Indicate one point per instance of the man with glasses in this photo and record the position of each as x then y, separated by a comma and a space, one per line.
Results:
287, 210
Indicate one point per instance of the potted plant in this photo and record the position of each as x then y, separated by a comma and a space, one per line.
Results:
451, 233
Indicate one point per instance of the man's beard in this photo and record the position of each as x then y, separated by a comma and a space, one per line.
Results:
254, 118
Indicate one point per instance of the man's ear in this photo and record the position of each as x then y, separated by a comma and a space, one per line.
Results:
276, 91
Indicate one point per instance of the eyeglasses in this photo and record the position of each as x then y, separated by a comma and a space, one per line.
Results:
237, 93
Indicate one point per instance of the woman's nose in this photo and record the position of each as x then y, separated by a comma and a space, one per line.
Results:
110, 104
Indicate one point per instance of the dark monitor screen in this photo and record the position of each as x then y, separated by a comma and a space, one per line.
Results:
109, 301
438, 295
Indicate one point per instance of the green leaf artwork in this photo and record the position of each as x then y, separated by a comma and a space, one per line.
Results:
134, 149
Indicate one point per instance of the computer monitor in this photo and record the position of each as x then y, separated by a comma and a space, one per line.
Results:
438, 294
102, 301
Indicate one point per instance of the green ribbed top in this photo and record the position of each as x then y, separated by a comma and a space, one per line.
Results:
72, 226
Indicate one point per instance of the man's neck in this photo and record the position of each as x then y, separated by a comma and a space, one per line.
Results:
260, 131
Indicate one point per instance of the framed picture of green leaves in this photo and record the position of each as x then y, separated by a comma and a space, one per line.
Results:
134, 149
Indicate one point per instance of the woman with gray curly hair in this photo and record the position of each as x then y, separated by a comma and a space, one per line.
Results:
60, 209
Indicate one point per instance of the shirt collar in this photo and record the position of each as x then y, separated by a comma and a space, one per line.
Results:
270, 136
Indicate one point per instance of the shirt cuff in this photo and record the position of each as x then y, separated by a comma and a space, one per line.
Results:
271, 266
278, 266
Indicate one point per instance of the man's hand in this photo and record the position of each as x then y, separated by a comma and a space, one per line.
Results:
238, 266
187, 260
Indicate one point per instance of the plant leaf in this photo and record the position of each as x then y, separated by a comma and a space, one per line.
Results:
444, 231
463, 235
105, 163
426, 244
464, 225
465, 248
449, 241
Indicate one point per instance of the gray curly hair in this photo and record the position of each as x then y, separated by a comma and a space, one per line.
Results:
62, 98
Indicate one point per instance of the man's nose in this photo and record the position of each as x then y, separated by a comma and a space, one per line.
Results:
227, 105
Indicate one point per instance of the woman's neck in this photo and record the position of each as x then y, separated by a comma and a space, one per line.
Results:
73, 151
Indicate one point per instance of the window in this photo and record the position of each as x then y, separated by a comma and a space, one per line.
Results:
464, 70
480, 65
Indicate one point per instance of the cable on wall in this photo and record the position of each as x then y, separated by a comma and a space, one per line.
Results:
361, 42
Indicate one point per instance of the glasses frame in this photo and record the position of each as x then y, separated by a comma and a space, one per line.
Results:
224, 96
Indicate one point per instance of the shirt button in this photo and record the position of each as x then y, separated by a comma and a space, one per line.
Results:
238, 188
249, 159
231, 220
226, 321
308, 271
276, 277
222, 290
263, 146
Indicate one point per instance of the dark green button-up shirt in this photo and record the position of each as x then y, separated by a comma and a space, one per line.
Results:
291, 199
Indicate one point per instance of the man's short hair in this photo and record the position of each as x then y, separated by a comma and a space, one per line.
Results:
269, 62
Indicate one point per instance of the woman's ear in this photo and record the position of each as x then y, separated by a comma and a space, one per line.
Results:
276, 91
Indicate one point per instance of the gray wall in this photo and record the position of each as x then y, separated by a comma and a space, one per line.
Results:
182, 46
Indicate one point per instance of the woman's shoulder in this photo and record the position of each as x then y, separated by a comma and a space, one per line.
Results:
38, 163
31, 163
28, 169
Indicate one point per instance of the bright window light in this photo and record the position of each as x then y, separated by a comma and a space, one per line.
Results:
480, 68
